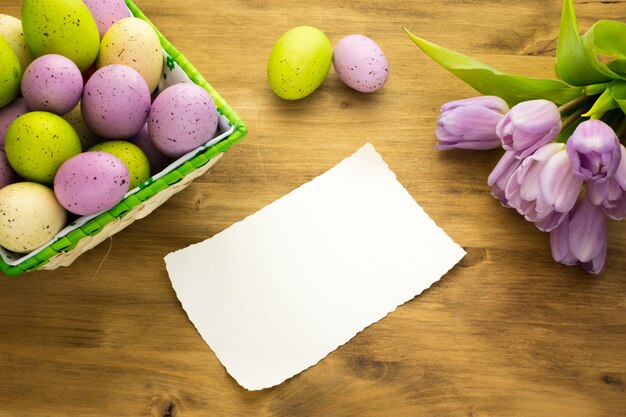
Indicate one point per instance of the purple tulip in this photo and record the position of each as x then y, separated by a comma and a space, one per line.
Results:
523, 191
611, 194
500, 175
558, 185
594, 151
470, 123
581, 238
528, 126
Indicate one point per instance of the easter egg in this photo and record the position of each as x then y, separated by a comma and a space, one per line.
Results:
91, 182
37, 143
299, 62
130, 154
63, 27
9, 113
107, 12
52, 83
115, 102
182, 118
7, 175
86, 136
10, 73
133, 42
360, 63
158, 160
11, 31
30, 216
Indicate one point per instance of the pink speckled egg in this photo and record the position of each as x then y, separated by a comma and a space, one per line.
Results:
91, 182
7, 175
52, 83
360, 63
9, 113
157, 160
106, 12
116, 102
182, 118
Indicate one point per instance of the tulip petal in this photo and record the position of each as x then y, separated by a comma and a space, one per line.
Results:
490, 102
587, 231
559, 186
559, 245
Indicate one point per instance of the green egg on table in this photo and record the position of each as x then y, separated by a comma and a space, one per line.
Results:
37, 143
299, 62
63, 27
133, 157
10, 73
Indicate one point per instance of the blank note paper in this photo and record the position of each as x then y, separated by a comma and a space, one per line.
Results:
275, 293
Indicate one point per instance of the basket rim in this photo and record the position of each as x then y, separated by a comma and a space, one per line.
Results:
94, 226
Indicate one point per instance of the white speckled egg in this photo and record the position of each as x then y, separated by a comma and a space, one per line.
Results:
30, 216
115, 102
106, 12
133, 42
9, 113
52, 83
11, 30
91, 182
182, 118
7, 175
360, 63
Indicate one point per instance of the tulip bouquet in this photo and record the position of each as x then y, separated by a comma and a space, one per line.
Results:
564, 168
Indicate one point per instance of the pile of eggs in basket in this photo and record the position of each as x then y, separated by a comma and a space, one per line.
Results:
79, 127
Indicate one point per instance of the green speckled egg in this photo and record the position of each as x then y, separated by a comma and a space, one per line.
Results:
37, 143
30, 216
299, 62
63, 27
10, 73
133, 157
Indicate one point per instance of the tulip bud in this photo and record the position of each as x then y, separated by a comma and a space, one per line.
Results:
594, 151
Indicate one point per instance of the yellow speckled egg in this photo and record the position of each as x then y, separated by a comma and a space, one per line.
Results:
131, 155
11, 30
133, 42
299, 62
30, 216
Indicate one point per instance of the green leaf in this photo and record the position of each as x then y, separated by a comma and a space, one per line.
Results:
605, 41
619, 94
489, 81
574, 65
603, 104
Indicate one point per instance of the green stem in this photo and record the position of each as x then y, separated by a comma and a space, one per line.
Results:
572, 117
577, 102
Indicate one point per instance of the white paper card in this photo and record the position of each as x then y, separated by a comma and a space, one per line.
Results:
275, 293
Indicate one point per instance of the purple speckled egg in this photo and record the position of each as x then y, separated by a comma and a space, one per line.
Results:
91, 182
157, 160
9, 113
360, 63
182, 118
116, 102
7, 175
106, 12
52, 83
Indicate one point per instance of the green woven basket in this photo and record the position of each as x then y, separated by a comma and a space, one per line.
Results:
67, 243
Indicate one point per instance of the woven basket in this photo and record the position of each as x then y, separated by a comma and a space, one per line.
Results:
66, 247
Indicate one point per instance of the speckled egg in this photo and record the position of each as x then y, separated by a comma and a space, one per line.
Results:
11, 30
9, 113
52, 83
107, 12
133, 42
158, 160
299, 62
182, 118
130, 154
7, 175
360, 63
37, 143
116, 102
86, 136
91, 182
30, 216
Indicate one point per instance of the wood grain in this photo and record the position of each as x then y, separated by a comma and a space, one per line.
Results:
506, 333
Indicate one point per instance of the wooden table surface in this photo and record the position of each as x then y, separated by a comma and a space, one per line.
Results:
508, 332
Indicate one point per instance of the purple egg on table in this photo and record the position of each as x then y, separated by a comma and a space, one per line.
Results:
9, 113
182, 117
157, 159
52, 83
91, 182
106, 12
7, 175
360, 63
116, 102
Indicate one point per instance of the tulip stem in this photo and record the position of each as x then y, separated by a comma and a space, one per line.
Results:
621, 128
572, 117
571, 105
